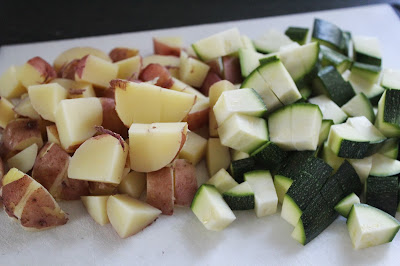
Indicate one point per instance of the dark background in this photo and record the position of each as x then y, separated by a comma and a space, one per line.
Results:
33, 21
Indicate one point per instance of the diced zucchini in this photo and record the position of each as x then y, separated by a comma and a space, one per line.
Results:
324, 131
269, 155
331, 158
332, 58
382, 193
359, 105
297, 34
372, 90
217, 45
344, 206
211, 209
240, 167
279, 80
271, 41
348, 179
266, 200
391, 79
240, 197
331, 83
315, 219
222, 181
369, 73
367, 50
388, 117
254, 80
348, 44
296, 127
384, 166
312, 177
249, 60
329, 109
237, 155
247, 43
244, 101
243, 133
328, 34
362, 167
369, 226
282, 185
390, 148
332, 191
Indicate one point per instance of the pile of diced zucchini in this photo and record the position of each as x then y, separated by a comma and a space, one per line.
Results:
315, 126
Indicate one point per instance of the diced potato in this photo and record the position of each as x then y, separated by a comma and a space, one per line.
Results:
22, 133
185, 182
217, 156
133, 184
25, 159
160, 190
194, 148
97, 208
36, 71
96, 70
7, 113
10, 86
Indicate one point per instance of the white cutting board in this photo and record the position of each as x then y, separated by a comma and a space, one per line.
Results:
181, 239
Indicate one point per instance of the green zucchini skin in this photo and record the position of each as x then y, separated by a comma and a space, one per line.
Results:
328, 34
392, 107
239, 167
348, 179
297, 34
382, 193
239, 203
269, 156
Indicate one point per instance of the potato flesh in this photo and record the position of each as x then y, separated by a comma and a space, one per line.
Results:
129, 67
45, 99
25, 108
7, 113
153, 146
25, 159
101, 159
97, 208
52, 134
129, 216
192, 71
194, 148
133, 184
217, 156
10, 86
76, 120
97, 71
76, 89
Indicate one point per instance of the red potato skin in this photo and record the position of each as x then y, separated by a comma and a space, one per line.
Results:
20, 130
102, 189
1, 172
122, 53
111, 119
164, 49
68, 71
37, 211
105, 93
215, 66
13, 192
46, 71
160, 190
153, 71
198, 119
232, 70
185, 182
80, 66
210, 79
72, 189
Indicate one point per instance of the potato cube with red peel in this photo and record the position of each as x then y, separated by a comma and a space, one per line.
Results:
97, 208
192, 71
30, 203
164, 60
167, 45
121, 53
35, 71
217, 89
194, 148
52, 134
96, 70
25, 159
198, 116
76, 120
1, 173
160, 189
76, 89
129, 216
133, 184
217, 156
111, 119
50, 170
185, 182
45, 99
146, 103
158, 74
77, 53
25, 108
7, 113
129, 67
21, 133
212, 124
153, 146
101, 158
10, 86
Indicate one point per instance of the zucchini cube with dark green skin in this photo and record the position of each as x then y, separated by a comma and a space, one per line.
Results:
332, 58
348, 179
297, 34
382, 193
331, 83
344, 206
388, 117
239, 167
367, 50
240, 197
328, 34
269, 156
